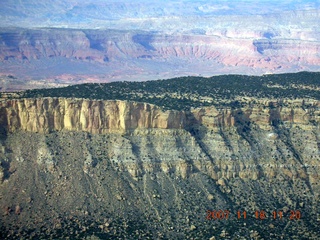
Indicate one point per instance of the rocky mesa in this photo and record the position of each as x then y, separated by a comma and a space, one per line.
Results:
102, 168
93, 116
106, 116
81, 55
209, 129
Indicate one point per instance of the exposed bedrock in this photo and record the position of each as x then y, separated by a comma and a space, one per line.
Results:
103, 116
107, 45
249, 142
109, 160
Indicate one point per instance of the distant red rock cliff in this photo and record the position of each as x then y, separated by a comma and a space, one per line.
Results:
104, 46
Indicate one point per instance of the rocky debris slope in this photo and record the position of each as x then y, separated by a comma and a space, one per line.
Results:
154, 173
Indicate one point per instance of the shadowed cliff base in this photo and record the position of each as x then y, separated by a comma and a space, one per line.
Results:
99, 185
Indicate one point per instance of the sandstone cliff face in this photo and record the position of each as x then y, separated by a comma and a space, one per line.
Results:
209, 137
44, 115
98, 116
261, 114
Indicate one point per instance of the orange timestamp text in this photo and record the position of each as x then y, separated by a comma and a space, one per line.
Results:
258, 214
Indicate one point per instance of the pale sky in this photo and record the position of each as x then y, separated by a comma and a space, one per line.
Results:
80, 13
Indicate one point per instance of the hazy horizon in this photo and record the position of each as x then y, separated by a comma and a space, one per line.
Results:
103, 41
104, 13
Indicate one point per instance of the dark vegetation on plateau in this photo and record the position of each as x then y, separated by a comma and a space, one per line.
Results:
184, 92
82, 187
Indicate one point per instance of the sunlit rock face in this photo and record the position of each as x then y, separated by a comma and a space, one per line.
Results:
213, 138
56, 114
107, 116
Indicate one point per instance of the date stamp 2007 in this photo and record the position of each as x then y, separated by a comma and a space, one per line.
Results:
258, 214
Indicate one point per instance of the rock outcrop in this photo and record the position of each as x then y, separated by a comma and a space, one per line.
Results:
211, 137
100, 116
101, 161
78, 55
93, 116
102, 46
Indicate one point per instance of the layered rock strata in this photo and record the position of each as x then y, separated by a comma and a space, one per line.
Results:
102, 46
47, 114
100, 160
223, 143
99, 116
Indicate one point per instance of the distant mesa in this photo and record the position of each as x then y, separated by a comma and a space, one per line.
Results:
125, 55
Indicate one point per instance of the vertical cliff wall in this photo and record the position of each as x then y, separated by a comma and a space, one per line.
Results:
94, 116
98, 116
